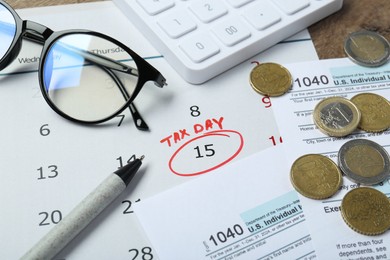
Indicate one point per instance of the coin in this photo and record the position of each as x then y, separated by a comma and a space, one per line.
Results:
336, 116
375, 111
270, 79
364, 161
315, 176
367, 48
366, 210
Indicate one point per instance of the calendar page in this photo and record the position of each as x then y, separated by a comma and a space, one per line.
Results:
50, 164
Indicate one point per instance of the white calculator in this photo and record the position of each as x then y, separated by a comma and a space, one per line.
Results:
203, 38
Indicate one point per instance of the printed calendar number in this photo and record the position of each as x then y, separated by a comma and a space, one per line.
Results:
145, 253
120, 160
214, 148
50, 218
195, 112
128, 203
44, 130
206, 151
121, 118
49, 172
266, 101
275, 140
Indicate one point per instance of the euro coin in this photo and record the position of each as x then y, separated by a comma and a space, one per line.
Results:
375, 111
270, 79
364, 161
336, 116
367, 48
315, 176
366, 210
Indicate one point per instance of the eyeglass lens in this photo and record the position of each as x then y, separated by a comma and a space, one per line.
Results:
7, 30
88, 77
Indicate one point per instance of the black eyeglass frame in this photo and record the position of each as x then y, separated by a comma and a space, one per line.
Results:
41, 34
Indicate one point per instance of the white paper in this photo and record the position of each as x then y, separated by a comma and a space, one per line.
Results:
332, 238
37, 144
245, 210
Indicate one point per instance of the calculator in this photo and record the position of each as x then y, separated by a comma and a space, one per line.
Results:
201, 39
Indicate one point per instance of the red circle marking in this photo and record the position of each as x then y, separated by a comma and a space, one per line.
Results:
225, 133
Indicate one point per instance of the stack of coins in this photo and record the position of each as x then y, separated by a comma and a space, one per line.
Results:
338, 116
361, 161
364, 209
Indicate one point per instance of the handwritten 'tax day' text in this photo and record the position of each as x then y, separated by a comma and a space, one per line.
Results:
209, 124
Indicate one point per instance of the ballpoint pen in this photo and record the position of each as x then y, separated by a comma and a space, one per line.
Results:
68, 228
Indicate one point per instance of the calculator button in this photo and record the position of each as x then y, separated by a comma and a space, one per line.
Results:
208, 10
262, 16
238, 3
231, 31
292, 6
153, 7
200, 47
177, 24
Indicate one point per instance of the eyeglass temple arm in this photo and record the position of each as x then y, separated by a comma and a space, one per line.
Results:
137, 118
109, 63
38, 33
100, 60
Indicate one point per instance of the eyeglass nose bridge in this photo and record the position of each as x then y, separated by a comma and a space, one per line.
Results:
36, 32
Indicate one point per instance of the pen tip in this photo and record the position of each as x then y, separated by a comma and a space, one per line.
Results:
127, 172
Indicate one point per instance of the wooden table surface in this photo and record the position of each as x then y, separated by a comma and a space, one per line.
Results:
328, 35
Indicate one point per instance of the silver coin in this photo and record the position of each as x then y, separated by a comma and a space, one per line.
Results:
364, 161
367, 48
336, 116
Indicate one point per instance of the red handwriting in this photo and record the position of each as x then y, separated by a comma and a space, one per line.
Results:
180, 135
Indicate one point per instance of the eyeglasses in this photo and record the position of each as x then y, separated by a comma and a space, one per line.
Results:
85, 76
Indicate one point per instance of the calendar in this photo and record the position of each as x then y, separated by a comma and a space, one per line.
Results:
50, 164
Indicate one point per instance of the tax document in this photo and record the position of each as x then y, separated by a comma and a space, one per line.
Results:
314, 81
245, 210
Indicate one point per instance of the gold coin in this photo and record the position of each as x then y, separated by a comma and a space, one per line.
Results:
375, 111
366, 210
336, 116
315, 176
270, 79
367, 48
